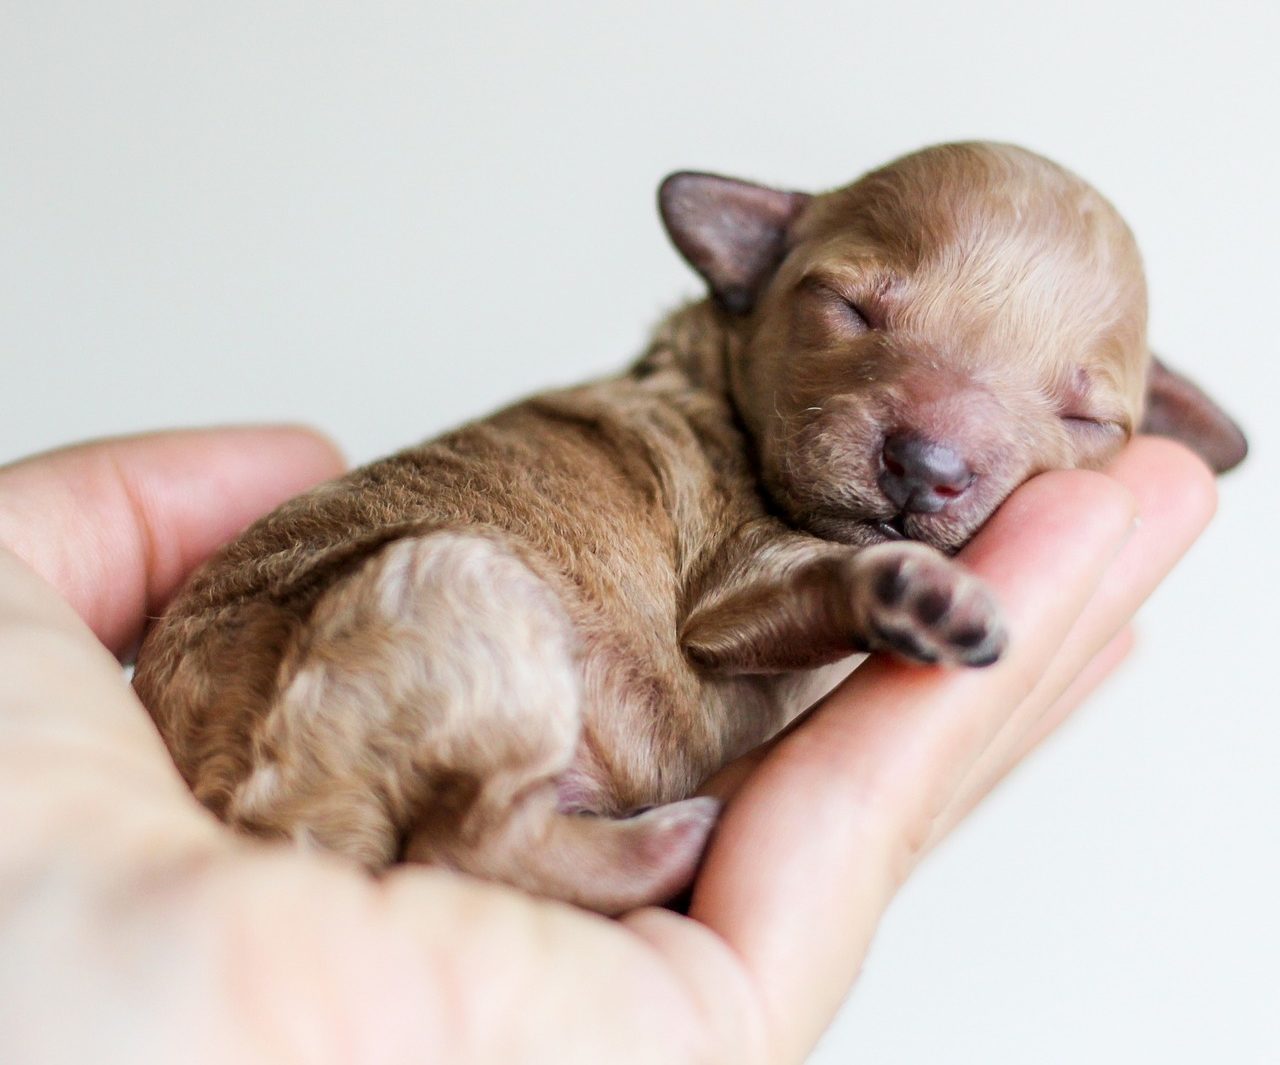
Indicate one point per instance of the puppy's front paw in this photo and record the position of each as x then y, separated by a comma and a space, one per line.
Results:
921, 605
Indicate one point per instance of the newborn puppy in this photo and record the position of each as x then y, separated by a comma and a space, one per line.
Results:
517, 650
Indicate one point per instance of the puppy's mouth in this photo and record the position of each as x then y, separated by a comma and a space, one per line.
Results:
867, 530
894, 528
904, 526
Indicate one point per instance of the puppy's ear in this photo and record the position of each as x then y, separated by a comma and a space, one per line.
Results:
732, 232
1177, 408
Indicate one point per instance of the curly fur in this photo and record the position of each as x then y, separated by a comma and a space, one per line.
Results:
489, 650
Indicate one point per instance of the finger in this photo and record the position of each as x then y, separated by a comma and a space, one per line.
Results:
81, 767
1000, 759
1164, 478
1098, 672
725, 783
115, 526
816, 841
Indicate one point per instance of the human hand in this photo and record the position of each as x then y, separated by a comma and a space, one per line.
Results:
135, 928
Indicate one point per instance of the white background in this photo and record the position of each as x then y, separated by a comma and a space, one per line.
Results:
385, 218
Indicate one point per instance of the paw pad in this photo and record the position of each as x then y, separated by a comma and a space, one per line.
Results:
890, 585
931, 605
923, 606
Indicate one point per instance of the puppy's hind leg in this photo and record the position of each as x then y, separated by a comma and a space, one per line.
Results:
428, 710
605, 864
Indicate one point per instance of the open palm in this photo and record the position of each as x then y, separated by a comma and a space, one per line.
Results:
133, 927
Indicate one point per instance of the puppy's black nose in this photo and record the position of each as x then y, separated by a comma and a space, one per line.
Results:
921, 476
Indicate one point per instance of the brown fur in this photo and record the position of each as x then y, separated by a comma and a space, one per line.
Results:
487, 650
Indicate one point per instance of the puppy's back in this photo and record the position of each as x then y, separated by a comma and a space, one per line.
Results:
612, 494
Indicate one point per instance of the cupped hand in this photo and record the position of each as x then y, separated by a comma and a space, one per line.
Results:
135, 928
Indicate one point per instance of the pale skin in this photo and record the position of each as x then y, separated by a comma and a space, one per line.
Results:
133, 927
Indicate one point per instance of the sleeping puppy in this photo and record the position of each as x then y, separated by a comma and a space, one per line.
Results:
518, 650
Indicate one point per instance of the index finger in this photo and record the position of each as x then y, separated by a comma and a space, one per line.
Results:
116, 525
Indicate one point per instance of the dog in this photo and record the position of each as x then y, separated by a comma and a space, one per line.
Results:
518, 650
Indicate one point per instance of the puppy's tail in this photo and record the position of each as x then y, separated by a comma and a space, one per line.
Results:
427, 712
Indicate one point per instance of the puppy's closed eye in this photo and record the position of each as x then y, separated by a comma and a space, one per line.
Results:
836, 310
1081, 414
1094, 437
1083, 423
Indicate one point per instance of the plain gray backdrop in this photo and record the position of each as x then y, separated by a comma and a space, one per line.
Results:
386, 218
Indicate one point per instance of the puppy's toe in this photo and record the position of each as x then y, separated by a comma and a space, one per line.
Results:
974, 632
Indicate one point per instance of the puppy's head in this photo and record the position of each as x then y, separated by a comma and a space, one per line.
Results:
908, 350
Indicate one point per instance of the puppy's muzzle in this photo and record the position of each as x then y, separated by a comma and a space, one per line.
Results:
922, 476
